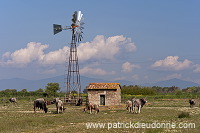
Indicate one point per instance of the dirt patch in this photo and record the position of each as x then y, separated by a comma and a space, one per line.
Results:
192, 111
172, 99
27, 111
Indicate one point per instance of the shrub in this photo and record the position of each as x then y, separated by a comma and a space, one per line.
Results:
184, 115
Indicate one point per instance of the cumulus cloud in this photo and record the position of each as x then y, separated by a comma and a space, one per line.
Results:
128, 67
54, 57
172, 63
104, 48
95, 71
34, 52
22, 57
197, 68
98, 49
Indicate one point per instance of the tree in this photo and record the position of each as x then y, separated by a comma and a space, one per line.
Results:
23, 92
39, 90
9, 92
52, 88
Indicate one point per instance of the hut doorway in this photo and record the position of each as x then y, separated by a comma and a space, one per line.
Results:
102, 99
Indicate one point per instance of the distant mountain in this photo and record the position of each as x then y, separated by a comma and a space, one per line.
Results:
173, 82
31, 85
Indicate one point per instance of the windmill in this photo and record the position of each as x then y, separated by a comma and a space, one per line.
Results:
73, 76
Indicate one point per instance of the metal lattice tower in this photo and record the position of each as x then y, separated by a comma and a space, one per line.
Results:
73, 76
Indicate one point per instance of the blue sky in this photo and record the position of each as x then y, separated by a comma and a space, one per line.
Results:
140, 41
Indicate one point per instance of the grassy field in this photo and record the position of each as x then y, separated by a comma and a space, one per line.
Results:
20, 118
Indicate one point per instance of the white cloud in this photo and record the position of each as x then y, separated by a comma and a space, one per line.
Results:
98, 49
23, 57
54, 57
172, 76
135, 77
172, 63
34, 52
104, 48
128, 67
48, 71
197, 68
95, 71
120, 78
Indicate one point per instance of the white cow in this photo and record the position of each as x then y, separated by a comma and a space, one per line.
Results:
92, 106
59, 105
129, 106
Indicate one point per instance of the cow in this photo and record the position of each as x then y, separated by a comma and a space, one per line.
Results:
59, 105
138, 103
192, 103
129, 106
49, 102
13, 100
92, 106
41, 104
80, 102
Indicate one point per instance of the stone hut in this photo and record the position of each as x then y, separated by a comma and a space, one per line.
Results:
104, 93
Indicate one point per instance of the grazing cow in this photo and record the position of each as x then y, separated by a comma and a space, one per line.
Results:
59, 105
92, 106
41, 104
13, 100
129, 106
192, 103
49, 102
138, 103
80, 102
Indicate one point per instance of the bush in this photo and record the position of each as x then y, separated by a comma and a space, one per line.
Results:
184, 115
137, 90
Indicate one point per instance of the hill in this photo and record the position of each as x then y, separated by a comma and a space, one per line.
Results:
31, 85
173, 82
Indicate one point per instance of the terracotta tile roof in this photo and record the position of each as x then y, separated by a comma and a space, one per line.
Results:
103, 86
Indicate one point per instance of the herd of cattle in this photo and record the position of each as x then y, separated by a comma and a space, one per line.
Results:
131, 105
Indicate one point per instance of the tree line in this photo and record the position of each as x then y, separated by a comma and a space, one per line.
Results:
138, 90
50, 91
53, 90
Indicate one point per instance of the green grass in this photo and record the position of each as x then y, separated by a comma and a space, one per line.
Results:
184, 115
20, 118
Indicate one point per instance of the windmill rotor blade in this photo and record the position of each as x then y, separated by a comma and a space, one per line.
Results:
57, 28
77, 17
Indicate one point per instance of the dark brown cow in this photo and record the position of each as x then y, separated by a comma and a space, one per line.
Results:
13, 100
192, 103
41, 104
92, 106
49, 102
80, 102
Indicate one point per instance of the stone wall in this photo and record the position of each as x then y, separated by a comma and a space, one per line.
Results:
112, 96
